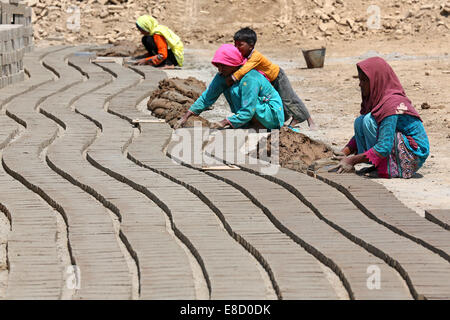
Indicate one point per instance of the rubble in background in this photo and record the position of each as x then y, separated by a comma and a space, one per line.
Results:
207, 21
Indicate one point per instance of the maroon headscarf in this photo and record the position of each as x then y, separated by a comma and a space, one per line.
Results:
387, 96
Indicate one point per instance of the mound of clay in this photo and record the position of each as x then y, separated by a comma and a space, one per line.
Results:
299, 152
123, 49
174, 97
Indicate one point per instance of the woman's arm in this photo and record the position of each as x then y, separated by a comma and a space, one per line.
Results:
210, 95
207, 99
350, 148
161, 45
381, 149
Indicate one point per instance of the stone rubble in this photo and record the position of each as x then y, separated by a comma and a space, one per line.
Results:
112, 21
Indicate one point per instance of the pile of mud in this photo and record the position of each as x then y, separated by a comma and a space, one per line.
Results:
299, 152
123, 49
174, 97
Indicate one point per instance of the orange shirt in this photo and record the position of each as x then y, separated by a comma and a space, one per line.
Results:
161, 44
259, 62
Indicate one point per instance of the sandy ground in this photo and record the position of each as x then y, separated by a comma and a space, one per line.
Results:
333, 98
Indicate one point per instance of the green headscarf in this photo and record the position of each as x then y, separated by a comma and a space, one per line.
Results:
149, 24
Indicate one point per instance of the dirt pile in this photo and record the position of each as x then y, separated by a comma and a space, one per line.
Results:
299, 152
206, 21
123, 49
173, 99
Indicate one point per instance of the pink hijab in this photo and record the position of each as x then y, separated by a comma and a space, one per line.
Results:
387, 96
228, 55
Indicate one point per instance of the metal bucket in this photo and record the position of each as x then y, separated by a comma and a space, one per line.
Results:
314, 58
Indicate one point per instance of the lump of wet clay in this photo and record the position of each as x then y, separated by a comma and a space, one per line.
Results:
159, 107
299, 152
190, 87
177, 97
174, 98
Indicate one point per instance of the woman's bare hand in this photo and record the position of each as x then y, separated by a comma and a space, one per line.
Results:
141, 62
219, 125
344, 166
183, 120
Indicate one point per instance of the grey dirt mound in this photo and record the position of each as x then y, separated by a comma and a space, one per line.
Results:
173, 99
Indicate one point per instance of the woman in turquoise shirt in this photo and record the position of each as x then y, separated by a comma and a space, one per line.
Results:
252, 100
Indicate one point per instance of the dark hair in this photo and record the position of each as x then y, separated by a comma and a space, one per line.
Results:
362, 74
139, 27
246, 35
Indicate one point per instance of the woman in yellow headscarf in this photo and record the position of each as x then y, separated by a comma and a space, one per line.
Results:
163, 45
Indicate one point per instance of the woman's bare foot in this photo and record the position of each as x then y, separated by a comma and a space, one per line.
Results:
312, 125
294, 122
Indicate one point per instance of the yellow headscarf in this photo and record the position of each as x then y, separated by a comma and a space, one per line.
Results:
149, 24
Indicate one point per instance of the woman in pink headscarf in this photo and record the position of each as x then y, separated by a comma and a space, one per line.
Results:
253, 99
389, 133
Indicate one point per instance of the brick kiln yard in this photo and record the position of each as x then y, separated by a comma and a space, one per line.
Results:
85, 191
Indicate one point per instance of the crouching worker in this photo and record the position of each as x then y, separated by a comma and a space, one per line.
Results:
253, 100
164, 47
389, 133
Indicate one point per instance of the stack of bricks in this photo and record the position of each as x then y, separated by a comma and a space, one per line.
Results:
18, 14
11, 54
16, 36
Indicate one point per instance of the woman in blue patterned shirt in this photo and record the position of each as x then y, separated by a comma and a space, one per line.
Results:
389, 133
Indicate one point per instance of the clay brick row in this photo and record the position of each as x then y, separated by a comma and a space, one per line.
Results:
343, 215
288, 264
440, 217
391, 212
92, 240
164, 269
35, 269
229, 270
